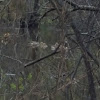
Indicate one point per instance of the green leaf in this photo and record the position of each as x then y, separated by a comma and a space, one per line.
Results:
21, 87
49, 21
13, 86
20, 79
29, 76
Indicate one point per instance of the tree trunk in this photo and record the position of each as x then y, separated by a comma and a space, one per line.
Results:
87, 63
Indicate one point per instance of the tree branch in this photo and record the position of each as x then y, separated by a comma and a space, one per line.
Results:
82, 7
45, 14
47, 56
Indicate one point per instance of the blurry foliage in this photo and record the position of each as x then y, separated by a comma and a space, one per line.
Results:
21, 87
29, 77
43, 79
20, 80
13, 86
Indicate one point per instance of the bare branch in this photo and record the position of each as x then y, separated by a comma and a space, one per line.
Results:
14, 59
45, 14
82, 7
47, 56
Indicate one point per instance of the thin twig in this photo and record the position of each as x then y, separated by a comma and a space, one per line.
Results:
11, 58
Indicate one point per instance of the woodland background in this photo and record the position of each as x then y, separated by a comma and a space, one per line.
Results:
49, 49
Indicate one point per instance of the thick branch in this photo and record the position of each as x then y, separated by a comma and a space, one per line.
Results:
38, 60
47, 56
86, 55
77, 33
82, 7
